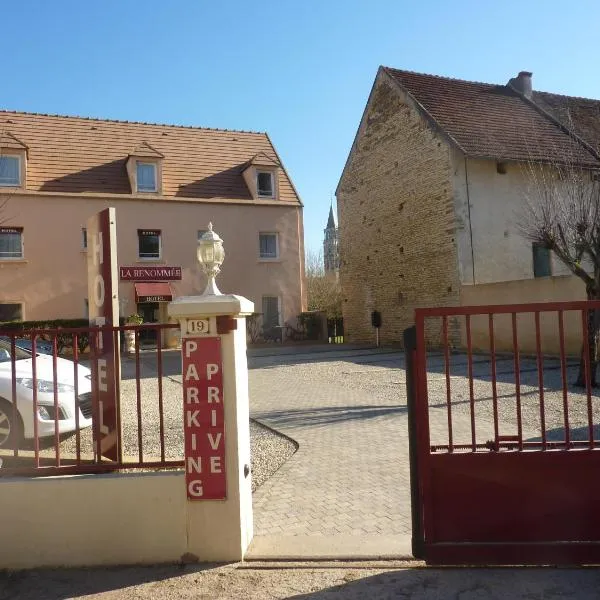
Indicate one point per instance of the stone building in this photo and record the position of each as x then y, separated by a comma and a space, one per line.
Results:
331, 256
166, 183
429, 198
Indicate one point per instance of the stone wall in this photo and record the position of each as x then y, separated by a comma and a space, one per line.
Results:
396, 219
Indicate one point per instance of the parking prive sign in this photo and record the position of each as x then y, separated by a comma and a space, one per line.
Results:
204, 418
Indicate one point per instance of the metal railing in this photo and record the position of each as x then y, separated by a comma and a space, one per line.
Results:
49, 414
496, 396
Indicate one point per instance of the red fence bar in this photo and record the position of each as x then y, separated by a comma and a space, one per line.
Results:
517, 362
36, 433
56, 409
470, 374
138, 393
75, 346
95, 401
447, 369
117, 333
563, 376
161, 416
15, 412
585, 315
494, 387
540, 368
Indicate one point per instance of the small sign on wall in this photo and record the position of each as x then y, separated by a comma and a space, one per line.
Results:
204, 418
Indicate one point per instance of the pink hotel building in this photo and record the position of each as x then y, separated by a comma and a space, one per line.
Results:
166, 183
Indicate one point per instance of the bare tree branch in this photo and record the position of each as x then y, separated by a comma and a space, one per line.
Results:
323, 289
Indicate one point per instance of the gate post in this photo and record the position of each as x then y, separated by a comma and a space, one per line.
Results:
216, 425
416, 500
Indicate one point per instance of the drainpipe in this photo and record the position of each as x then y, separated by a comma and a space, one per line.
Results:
469, 212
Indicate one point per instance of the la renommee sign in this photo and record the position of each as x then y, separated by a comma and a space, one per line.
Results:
150, 273
204, 418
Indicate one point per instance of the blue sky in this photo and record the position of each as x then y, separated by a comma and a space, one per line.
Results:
301, 71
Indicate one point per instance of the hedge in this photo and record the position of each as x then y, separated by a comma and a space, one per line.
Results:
63, 340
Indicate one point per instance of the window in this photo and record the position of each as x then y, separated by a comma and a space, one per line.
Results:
10, 171
84, 238
146, 177
270, 311
201, 232
542, 264
149, 244
11, 243
11, 312
264, 184
269, 245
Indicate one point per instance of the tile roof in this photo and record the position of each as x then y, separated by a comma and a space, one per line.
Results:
76, 154
494, 121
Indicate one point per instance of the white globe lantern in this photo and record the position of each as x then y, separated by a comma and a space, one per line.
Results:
211, 256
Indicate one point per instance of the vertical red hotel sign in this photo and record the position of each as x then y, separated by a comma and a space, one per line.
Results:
103, 302
204, 418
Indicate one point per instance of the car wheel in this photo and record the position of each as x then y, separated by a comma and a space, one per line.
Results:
11, 430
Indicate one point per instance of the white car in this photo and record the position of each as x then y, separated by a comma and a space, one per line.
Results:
13, 430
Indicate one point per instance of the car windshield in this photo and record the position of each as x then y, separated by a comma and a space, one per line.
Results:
5, 352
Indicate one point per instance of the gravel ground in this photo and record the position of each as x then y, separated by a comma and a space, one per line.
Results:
301, 581
269, 449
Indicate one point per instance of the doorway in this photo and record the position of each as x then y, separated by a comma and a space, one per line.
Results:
149, 312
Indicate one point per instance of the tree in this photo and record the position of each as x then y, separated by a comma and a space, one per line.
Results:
562, 213
323, 289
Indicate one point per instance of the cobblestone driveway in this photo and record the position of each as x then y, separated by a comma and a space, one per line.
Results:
347, 411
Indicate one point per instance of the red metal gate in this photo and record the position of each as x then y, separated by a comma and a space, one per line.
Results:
505, 464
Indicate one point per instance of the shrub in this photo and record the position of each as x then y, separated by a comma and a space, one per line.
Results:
63, 340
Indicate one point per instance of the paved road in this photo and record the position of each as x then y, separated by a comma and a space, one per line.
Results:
347, 411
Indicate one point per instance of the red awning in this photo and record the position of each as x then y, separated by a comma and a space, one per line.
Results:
153, 292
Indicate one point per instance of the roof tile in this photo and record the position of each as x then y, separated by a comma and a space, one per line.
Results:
492, 121
76, 154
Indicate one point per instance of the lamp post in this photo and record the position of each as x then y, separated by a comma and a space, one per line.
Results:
210, 256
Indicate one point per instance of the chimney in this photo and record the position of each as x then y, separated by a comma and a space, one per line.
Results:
522, 83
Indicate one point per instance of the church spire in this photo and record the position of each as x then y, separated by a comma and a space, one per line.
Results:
331, 219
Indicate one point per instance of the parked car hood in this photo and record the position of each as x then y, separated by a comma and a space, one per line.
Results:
44, 370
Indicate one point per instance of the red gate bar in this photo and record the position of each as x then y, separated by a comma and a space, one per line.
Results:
563, 375
540, 368
587, 372
494, 388
447, 369
517, 364
471, 392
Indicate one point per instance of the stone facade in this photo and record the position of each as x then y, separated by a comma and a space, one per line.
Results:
397, 220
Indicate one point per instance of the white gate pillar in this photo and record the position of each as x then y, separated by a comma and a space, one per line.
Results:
216, 414
218, 529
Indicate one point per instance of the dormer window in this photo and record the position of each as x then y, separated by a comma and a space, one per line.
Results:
146, 177
144, 169
264, 184
261, 174
10, 171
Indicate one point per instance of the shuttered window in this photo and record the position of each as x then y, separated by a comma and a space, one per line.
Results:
542, 263
269, 245
270, 310
11, 243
